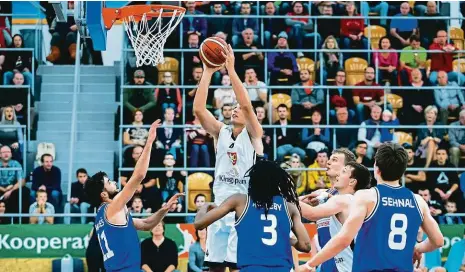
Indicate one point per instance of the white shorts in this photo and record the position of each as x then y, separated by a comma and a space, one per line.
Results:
222, 235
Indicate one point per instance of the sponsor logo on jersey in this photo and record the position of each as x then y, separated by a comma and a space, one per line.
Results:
233, 157
232, 180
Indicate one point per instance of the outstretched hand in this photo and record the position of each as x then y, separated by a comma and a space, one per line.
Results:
153, 131
211, 70
173, 201
229, 56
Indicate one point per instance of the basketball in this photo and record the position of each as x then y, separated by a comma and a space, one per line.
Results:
210, 52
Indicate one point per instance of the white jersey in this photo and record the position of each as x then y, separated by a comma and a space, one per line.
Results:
344, 258
233, 159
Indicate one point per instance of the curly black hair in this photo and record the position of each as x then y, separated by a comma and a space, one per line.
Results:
94, 187
267, 180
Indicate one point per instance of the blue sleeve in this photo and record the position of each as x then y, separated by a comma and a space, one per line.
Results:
19, 173
306, 136
294, 62
203, 27
20, 135
235, 27
271, 58
192, 256
326, 136
443, 104
255, 26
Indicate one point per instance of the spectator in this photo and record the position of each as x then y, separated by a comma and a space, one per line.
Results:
64, 38
272, 26
317, 179
171, 182
254, 58
137, 206
168, 97
146, 190
429, 138
282, 64
332, 61
444, 184
41, 210
365, 99
136, 135
388, 119
47, 178
197, 24
169, 138
326, 25
435, 207
411, 60
304, 100
198, 140
413, 111
299, 176
386, 62
443, 61
10, 180
5, 25
457, 139
17, 62
78, 202
192, 59
224, 96
139, 99
414, 180
218, 24
429, 28
380, 7
402, 27
340, 97
240, 24
450, 219
197, 252
300, 29
361, 153
199, 201
287, 138
315, 139
159, 253
196, 75
449, 97
4, 220
17, 96
345, 137
371, 135
257, 95
226, 112
352, 29
11, 136
267, 133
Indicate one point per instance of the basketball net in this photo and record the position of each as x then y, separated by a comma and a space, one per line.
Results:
148, 38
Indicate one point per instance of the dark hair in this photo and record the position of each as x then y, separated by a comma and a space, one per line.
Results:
340, 70
41, 191
414, 38
246, 3
348, 155
361, 174
45, 155
199, 195
81, 171
22, 40
324, 150
94, 187
391, 159
442, 147
226, 105
381, 40
282, 106
267, 180
360, 142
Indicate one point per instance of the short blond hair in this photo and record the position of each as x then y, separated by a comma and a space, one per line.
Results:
431, 108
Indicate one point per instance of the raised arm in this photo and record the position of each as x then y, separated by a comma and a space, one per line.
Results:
253, 126
122, 198
153, 220
206, 118
210, 213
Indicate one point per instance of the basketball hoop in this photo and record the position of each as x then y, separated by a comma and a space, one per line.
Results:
147, 38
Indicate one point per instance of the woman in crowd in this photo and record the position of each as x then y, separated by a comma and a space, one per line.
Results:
386, 62
428, 139
11, 136
197, 252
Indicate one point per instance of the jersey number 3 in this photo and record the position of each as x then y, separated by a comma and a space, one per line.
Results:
399, 231
104, 243
270, 229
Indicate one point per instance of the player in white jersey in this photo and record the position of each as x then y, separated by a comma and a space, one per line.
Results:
335, 210
236, 150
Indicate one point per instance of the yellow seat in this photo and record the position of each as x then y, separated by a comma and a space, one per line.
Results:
278, 99
198, 183
428, 64
170, 65
306, 63
455, 65
396, 101
403, 137
377, 32
355, 70
457, 36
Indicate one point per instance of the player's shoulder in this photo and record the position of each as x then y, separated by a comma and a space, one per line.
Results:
366, 195
342, 199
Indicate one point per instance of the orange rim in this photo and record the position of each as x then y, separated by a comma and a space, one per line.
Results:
110, 15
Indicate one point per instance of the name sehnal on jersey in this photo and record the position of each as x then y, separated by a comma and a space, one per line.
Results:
394, 202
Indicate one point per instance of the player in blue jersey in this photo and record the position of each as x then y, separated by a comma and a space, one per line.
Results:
339, 158
386, 220
115, 228
264, 220
335, 211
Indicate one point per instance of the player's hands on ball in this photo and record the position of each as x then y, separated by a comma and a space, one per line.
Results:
229, 56
153, 131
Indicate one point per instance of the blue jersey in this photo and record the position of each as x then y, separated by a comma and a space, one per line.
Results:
324, 235
264, 241
119, 243
388, 235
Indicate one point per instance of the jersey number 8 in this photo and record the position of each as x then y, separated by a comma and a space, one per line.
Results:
270, 229
398, 231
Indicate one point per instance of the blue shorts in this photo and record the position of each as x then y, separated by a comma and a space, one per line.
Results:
265, 269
